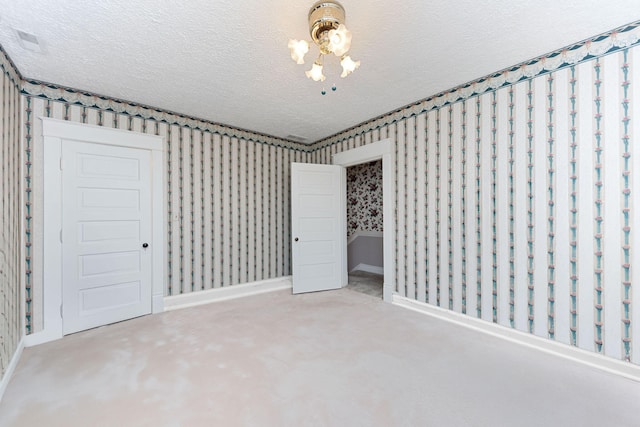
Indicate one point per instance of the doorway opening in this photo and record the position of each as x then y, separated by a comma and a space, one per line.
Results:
365, 240
380, 154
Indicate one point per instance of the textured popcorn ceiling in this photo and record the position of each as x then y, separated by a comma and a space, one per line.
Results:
227, 60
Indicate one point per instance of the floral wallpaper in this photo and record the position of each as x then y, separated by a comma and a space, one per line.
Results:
364, 197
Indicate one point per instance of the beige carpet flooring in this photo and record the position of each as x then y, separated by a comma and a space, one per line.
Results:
337, 358
366, 283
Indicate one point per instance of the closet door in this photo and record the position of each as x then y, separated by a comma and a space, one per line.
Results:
318, 228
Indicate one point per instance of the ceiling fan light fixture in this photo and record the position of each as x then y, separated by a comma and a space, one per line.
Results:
329, 32
323, 17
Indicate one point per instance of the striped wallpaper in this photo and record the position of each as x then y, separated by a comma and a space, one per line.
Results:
227, 192
10, 212
516, 200
520, 203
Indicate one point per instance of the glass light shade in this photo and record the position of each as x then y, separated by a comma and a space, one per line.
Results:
298, 49
315, 73
348, 66
339, 40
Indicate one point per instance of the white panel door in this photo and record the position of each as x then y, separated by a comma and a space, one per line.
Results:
318, 227
106, 221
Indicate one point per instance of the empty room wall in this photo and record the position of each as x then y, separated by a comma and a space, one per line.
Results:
518, 195
10, 190
227, 192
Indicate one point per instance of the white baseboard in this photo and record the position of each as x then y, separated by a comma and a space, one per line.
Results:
160, 304
368, 268
11, 368
157, 304
42, 337
576, 354
222, 294
364, 233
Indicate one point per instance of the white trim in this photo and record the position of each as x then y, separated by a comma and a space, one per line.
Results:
63, 129
384, 150
193, 299
575, 354
364, 153
52, 260
158, 232
343, 226
4, 383
368, 269
54, 131
44, 336
364, 233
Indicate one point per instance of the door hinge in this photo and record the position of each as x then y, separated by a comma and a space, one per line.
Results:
61, 310
61, 235
60, 163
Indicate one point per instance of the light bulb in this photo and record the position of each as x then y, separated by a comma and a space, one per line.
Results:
339, 40
348, 65
315, 73
335, 38
298, 49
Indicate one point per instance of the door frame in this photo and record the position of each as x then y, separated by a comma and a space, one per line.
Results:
53, 132
383, 149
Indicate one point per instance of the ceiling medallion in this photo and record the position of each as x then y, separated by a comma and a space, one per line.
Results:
329, 33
